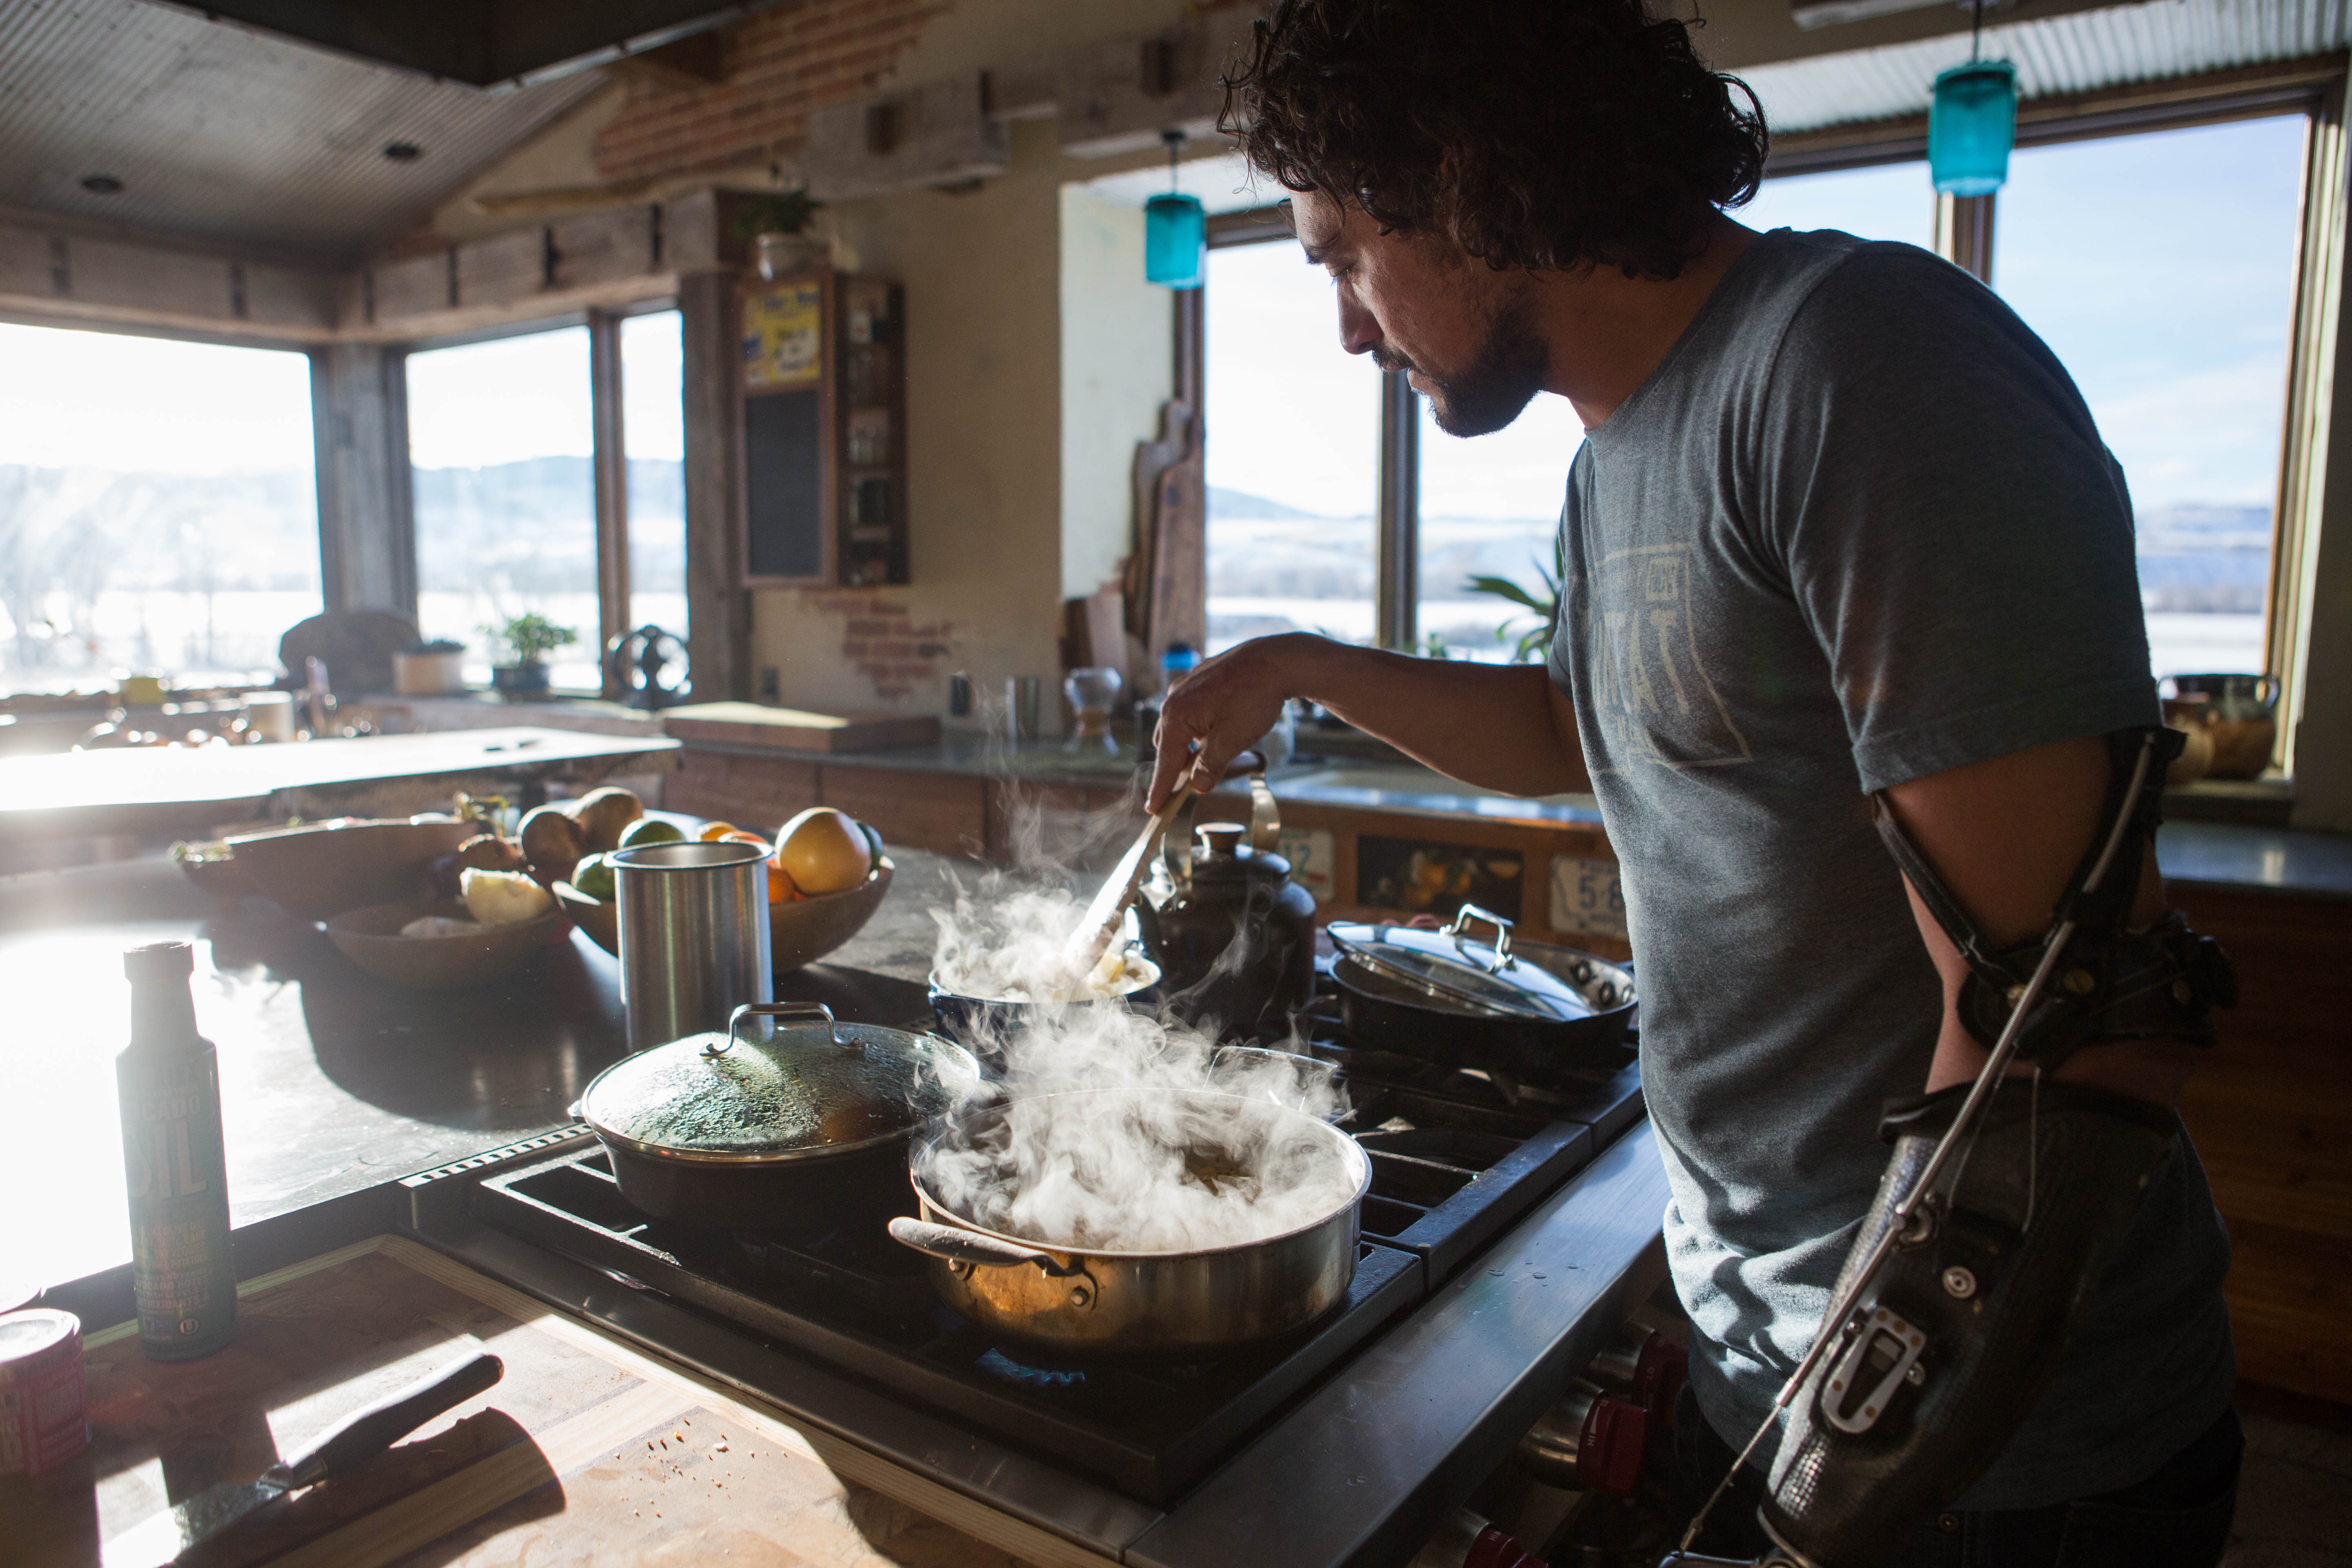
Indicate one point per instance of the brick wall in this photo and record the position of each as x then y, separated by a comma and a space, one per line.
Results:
781, 64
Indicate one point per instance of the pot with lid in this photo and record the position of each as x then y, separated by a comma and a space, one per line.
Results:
1517, 1006
808, 1128
1234, 935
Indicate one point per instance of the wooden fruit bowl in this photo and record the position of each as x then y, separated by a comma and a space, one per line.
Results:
599, 917
804, 931
371, 938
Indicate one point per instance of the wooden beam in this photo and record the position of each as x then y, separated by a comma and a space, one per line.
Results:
367, 534
718, 606
937, 134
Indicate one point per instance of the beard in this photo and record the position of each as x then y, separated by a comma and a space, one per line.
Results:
1501, 379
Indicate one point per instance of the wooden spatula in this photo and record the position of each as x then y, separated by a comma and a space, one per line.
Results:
1099, 927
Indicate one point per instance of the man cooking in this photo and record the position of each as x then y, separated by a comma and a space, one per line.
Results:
1841, 529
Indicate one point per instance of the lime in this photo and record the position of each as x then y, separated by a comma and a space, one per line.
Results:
651, 830
593, 878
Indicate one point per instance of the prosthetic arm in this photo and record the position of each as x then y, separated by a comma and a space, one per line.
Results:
2004, 1198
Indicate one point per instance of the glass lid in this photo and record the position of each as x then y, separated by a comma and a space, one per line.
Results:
1449, 970
817, 1088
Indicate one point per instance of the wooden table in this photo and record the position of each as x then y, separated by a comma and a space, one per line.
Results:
587, 1450
191, 790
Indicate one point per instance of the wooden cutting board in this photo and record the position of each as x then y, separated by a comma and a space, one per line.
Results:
588, 1450
796, 729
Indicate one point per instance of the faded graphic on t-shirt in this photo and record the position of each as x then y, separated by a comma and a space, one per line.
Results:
1651, 692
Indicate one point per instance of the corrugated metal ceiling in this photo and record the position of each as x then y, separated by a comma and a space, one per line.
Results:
2054, 55
220, 133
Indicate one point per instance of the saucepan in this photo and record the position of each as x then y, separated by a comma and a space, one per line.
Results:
1093, 1301
728, 1131
1517, 1006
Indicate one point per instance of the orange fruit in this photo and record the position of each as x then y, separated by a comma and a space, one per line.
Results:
780, 885
825, 851
740, 837
712, 832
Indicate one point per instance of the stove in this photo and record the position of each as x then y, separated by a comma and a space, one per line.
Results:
1110, 1454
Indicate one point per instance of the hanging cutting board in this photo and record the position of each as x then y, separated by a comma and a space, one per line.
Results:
797, 729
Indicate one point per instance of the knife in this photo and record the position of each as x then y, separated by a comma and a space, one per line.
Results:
162, 1538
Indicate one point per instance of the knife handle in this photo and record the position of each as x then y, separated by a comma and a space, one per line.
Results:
385, 1423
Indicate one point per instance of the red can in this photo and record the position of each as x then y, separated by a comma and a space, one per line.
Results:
43, 1418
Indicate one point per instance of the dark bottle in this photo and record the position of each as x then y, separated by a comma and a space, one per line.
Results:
178, 1184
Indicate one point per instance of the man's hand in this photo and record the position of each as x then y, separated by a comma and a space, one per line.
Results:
1504, 726
2005, 836
1221, 709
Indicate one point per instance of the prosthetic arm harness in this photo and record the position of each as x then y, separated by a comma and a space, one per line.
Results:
2004, 1198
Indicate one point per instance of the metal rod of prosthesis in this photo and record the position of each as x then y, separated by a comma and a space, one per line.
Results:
1995, 1066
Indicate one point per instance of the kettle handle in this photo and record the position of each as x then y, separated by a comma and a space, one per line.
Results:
1265, 815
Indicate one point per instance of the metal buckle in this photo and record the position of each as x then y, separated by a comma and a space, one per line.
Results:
1885, 1332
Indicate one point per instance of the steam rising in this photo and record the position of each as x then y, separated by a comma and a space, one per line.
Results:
1120, 1128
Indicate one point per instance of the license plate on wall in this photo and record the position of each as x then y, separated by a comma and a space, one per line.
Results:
1586, 896
1310, 853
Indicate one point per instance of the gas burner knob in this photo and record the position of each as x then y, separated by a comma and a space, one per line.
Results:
1642, 1365
1588, 1442
1467, 1540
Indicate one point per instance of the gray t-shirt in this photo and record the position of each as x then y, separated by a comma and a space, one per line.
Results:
1856, 529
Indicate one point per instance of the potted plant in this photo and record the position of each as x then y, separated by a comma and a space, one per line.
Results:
432, 668
776, 228
530, 637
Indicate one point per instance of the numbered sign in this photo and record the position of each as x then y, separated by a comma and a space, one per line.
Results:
1310, 854
1586, 897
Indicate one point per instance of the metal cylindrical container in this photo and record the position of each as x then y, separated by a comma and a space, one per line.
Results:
1021, 701
693, 921
44, 1420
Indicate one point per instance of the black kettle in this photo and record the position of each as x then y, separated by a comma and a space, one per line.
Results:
1233, 935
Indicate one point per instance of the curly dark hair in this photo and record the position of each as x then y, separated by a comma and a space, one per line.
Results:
1533, 134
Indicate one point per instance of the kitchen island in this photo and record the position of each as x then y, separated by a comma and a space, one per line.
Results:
363, 1124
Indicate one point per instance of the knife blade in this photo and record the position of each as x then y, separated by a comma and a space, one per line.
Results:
161, 1539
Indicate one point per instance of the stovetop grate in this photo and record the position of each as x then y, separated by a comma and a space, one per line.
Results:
867, 1307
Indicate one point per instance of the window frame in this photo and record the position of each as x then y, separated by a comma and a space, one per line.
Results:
1964, 234
608, 455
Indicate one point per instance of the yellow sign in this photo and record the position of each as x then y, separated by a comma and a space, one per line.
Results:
784, 335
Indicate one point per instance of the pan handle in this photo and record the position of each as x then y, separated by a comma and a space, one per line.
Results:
956, 1244
804, 1012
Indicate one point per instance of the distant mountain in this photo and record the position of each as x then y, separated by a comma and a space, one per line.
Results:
1240, 505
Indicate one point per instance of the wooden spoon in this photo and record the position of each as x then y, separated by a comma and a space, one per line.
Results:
1099, 927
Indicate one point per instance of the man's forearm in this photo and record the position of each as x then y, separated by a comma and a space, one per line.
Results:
1497, 725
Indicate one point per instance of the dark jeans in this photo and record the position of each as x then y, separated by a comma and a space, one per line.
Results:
2177, 1518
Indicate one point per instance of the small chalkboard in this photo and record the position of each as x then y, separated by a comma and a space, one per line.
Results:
783, 484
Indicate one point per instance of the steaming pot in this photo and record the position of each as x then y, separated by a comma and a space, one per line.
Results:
1234, 935
1137, 1304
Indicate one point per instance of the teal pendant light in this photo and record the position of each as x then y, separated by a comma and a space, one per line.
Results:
1972, 122
1175, 230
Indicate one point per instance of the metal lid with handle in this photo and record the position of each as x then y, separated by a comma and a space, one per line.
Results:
1446, 970
818, 1088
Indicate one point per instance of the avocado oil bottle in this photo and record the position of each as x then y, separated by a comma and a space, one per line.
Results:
177, 1180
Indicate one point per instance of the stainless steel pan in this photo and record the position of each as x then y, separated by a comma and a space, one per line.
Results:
1155, 1304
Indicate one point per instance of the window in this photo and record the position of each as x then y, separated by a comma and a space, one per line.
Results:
499, 441
159, 508
1489, 507
653, 428
2178, 337
1292, 454
1886, 201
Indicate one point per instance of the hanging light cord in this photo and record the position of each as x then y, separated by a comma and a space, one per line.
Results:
1174, 139
1975, 31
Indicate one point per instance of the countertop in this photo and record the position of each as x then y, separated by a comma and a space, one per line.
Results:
333, 1081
